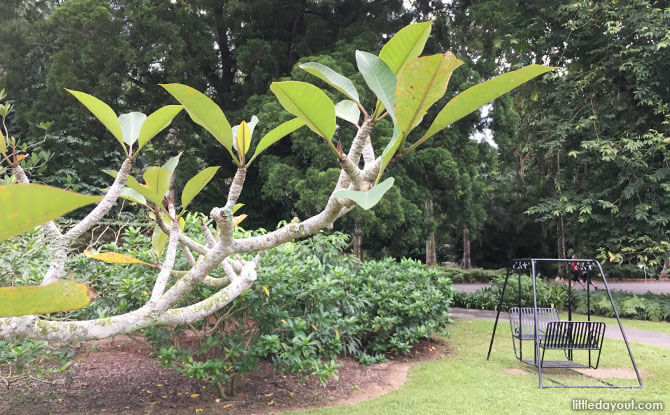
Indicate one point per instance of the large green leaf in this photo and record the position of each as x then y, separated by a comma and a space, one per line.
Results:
157, 181
133, 196
308, 103
158, 241
24, 206
405, 45
3, 144
348, 111
422, 82
156, 122
131, 124
379, 77
172, 163
102, 112
475, 97
390, 150
277, 134
196, 184
203, 111
58, 296
368, 199
332, 78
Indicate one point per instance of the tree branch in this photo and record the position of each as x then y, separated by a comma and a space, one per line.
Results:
61, 243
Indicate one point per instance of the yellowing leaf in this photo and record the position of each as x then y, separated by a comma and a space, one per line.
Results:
24, 206
228, 405
114, 258
612, 256
20, 157
238, 219
243, 139
59, 296
267, 290
195, 395
422, 82
314, 327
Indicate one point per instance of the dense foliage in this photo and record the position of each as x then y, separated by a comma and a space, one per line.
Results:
310, 306
560, 179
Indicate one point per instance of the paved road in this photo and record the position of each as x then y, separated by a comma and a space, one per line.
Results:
632, 287
612, 332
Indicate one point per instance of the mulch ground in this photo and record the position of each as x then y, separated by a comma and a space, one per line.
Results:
122, 377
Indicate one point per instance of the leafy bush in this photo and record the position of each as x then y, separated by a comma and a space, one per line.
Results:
459, 275
27, 358
548, 295
654, 307
310, 305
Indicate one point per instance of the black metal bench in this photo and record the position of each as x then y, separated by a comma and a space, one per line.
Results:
570, 336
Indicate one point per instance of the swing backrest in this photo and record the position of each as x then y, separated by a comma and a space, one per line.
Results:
522, 321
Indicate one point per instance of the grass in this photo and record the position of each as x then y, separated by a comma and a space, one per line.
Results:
465, 383
658, 326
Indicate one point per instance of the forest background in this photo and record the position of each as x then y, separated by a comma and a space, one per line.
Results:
575, 162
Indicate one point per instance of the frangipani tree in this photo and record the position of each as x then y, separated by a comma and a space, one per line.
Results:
406, 86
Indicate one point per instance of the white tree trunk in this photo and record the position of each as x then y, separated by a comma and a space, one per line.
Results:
240, 274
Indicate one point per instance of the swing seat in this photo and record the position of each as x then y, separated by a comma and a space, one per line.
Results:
522, 321
570, 336
573, 335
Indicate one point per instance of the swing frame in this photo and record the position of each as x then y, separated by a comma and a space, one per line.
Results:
558, 334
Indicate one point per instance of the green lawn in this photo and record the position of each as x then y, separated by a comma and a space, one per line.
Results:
465, 383
659, 326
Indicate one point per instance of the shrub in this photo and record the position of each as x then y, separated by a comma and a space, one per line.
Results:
310, 305
459, 275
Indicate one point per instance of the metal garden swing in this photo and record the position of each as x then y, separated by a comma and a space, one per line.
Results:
548, 332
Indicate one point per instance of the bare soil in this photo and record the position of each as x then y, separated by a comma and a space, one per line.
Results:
120, 376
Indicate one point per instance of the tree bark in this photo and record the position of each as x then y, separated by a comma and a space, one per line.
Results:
560, 239
466, 262
431, 254
358, 241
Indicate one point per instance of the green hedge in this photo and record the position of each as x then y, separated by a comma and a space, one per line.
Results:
654, 307
458, 275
